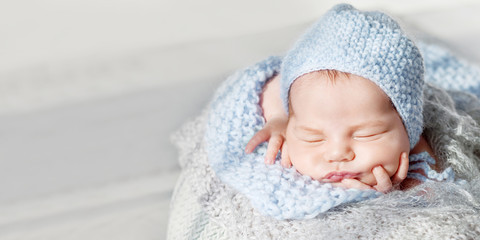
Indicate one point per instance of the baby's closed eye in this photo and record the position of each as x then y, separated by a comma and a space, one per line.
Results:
309, 135
310, 138
369, 135
313, 140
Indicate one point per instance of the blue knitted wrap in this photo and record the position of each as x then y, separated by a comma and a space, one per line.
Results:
233, 118
368, 44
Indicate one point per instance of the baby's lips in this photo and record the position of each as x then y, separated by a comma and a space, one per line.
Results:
339, 176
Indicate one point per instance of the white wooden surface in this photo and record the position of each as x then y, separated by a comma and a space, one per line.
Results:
84, 139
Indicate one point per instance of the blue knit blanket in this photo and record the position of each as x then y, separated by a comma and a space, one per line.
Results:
235, 116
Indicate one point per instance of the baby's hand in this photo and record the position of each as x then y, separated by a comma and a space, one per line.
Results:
385, 183
274, 133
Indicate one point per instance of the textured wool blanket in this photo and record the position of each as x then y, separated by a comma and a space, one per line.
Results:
432, 209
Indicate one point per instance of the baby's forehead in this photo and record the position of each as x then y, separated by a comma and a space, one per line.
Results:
329, 79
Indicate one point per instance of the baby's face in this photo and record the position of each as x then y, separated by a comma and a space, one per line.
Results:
343, 128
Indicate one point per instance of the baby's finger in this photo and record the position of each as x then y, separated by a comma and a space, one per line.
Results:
285, 157
352, 183
274, 145
402, 170
259, 137
384, 184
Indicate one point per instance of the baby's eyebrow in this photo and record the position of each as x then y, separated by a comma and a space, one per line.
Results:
308, 129
375, 123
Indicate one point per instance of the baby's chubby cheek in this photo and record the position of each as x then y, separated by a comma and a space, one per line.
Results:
305, 160
389, 160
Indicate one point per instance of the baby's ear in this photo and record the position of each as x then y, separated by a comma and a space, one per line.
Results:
402, 170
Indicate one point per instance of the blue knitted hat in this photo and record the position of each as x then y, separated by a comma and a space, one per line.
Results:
368, 44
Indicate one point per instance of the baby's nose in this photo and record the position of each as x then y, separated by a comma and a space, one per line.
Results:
339, 151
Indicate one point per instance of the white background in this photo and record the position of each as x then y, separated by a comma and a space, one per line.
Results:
90, 92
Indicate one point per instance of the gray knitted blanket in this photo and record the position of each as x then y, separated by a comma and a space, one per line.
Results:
436, 210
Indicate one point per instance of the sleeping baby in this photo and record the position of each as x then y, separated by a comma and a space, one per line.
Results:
353, 89
344, 106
